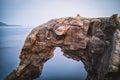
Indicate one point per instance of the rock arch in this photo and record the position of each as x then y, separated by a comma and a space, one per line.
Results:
91, 40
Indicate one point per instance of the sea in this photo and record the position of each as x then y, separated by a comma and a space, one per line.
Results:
57, 68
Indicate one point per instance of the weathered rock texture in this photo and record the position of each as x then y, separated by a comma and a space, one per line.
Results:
94, 41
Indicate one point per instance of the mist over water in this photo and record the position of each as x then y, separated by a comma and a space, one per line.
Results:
57, 68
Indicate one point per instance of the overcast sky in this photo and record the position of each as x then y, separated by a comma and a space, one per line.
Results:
35, 12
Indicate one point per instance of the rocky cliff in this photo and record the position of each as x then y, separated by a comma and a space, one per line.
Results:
94, 41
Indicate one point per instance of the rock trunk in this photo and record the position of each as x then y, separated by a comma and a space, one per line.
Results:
94, 41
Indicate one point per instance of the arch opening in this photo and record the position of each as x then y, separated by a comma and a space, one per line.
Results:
60, 67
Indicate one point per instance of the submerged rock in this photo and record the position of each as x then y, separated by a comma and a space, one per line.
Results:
94, 41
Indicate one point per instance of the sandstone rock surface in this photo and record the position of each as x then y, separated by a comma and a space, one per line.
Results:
94, 41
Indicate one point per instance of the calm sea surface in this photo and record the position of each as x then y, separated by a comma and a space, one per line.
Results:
58, 68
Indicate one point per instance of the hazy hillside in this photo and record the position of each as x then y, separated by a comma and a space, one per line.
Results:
3, 24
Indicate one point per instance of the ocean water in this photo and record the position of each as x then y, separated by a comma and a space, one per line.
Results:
58, 68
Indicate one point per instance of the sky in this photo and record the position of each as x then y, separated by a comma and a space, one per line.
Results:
36, 12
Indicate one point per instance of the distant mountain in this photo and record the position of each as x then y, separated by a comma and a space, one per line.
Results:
3, 24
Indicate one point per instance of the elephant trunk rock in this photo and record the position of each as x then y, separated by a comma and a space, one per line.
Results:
94, 41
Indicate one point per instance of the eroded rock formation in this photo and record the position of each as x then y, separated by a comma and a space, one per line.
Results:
94, 41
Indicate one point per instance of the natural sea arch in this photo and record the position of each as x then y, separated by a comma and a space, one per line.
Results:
90, 40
